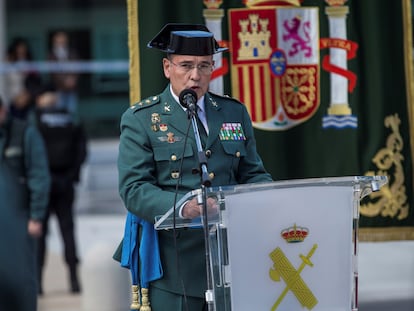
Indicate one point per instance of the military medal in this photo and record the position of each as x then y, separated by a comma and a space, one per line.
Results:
155, 120
170, 138
231, 131
163, 127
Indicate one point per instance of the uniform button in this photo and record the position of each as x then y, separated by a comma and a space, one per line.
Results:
211, 175
175, 174
208, 153
238, 154
173, 157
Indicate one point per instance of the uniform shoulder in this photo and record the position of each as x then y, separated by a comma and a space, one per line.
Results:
146, 103
224, 98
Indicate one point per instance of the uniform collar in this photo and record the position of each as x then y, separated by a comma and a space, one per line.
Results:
200, 101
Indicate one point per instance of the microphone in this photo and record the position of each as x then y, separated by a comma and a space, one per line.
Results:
188, 99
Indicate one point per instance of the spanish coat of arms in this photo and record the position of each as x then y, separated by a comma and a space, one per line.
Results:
275, 64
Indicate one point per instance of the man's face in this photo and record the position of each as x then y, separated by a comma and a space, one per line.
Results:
187, 71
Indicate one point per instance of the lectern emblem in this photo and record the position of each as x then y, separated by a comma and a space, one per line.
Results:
283, 268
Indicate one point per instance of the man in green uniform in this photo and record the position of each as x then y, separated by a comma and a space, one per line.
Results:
24, 192
153, 159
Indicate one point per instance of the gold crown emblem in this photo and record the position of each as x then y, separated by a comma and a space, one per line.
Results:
213, 4
295, 234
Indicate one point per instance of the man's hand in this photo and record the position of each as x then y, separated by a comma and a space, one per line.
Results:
193, 209
35, 228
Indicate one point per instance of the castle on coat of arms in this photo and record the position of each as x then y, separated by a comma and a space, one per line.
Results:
254, 44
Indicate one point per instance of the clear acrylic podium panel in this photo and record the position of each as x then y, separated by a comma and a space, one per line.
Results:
287, 246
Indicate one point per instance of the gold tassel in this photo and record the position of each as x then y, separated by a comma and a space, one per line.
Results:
135, 305
145, 300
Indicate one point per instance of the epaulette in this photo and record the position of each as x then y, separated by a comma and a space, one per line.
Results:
226, 97
145, 103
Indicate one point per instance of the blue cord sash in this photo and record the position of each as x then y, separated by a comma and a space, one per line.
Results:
141, 257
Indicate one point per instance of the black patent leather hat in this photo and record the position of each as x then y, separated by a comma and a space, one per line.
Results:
186, 39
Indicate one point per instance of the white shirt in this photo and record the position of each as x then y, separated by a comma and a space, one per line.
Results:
201, 109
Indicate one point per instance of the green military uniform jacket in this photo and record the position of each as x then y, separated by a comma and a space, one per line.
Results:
24, 174
153, 133
24, 194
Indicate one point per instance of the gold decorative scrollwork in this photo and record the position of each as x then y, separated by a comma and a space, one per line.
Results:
391, 200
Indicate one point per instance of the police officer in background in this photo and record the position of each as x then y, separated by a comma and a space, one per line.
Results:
151, 174
66, 148
24, 193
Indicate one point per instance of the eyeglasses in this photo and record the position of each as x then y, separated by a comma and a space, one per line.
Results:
203, 68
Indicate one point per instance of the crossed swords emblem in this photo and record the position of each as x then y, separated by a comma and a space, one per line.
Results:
283, 268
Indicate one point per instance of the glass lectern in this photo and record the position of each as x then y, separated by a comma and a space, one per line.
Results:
286, 245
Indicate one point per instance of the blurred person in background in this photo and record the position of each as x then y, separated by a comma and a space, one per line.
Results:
66, 83
21, 84
66, 148
24, 193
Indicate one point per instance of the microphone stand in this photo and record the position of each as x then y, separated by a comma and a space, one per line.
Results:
205, 182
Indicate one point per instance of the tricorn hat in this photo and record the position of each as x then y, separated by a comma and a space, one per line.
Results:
186, 39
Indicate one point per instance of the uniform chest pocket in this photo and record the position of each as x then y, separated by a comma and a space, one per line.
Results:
236, 149
168, 160
172, 153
